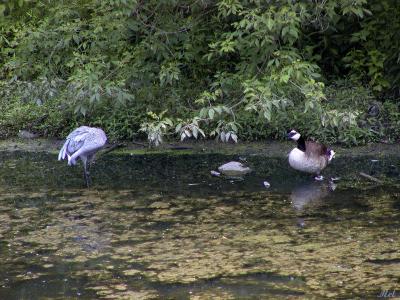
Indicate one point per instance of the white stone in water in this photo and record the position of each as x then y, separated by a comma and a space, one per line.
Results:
215, 173
234, 168
266, 184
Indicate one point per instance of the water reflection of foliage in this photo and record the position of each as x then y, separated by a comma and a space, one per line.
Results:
159, 239
128, 247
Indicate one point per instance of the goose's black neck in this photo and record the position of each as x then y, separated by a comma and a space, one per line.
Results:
301, 144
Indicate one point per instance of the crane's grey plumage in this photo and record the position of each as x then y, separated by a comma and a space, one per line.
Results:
83, 143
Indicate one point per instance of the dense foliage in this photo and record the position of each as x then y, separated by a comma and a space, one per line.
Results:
201, 68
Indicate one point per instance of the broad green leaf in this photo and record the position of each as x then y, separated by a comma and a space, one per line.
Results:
211, 113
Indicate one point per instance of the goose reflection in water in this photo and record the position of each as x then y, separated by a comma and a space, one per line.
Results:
310, 194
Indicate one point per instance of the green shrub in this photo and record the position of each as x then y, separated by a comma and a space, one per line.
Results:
226, 69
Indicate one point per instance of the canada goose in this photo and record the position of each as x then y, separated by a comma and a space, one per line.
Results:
310, 157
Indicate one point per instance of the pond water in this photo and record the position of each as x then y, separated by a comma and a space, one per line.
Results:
161, 227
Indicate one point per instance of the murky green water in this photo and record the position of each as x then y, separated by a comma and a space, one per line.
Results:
160, 227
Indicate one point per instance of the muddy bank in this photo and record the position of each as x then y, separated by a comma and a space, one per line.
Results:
264, 148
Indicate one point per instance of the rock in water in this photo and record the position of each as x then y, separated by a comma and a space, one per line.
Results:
215, 173
234, 168
25, 134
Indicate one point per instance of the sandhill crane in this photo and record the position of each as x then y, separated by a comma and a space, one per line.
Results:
83, 143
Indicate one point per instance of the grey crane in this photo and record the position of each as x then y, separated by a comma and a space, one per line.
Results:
83, 143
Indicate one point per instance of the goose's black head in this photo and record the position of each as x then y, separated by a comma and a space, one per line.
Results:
293, 135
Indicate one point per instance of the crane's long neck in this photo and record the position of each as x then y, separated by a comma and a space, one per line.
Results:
301, 144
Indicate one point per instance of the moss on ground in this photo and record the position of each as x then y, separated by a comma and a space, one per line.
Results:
266, 148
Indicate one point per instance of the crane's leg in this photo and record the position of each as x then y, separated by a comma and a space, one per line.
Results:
86, 173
